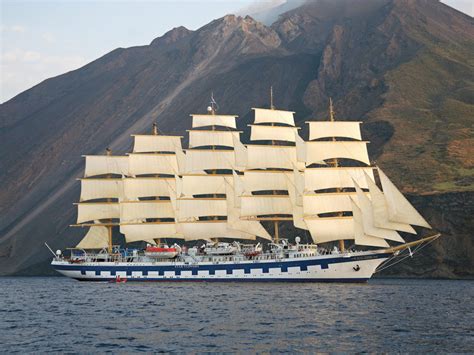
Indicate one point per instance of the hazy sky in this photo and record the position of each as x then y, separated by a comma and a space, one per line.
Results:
40, 39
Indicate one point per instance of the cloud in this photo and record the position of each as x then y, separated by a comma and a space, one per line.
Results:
18, 29
21, 69
13, 29
48, 37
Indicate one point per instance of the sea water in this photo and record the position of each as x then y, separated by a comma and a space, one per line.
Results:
62, 315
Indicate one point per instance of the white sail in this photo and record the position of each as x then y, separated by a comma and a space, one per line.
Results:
96, 238
298, 218
341, 177
207, 230
359, 235
134, 188
162, 163
137, 210
380, 210
399, 209
299, 182
330, 229
149, 231
156, 143
201, 207
238, 188
327, 129
368, 219
263, 115
214, 120
97, 210
301, 149
261, 180
271, 157
212, 138
322, 150
240, 154
314, 204
236, 223
100, 188
206, 159
202, 185
278, 133
265, 205
181, 160
106, 164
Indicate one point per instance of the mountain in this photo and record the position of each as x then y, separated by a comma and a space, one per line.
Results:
404, 67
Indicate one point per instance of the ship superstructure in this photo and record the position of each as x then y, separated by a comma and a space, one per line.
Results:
223, 198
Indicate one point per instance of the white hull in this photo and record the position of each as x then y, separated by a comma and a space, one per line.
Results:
349, 267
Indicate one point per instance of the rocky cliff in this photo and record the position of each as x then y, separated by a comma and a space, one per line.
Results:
404, 67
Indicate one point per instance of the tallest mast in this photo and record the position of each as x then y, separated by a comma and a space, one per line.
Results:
335, 163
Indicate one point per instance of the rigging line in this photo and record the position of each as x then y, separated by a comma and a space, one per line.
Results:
417, 249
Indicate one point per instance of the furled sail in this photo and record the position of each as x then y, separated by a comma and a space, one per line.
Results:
256, 205
96, 238
399, 209
92, 189
106, 164
322, 150
380, 210
97, 210
263, 115
136, 210
214, 120
156, 143
204, 138
328, 129
340, 177
278, 133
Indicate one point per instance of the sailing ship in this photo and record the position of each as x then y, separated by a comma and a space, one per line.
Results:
218, 200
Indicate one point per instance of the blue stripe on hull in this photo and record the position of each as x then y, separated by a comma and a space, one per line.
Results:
212, 268
362, 280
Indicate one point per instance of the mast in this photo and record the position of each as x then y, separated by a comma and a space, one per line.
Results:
154, 132
109, 227
275, 223
335, 164
264, 203
204, 197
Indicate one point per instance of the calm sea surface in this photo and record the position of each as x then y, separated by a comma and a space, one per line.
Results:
62, 315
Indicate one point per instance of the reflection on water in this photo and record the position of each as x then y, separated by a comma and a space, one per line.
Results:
59, 314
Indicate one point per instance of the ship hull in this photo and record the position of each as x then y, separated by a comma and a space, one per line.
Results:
325, 268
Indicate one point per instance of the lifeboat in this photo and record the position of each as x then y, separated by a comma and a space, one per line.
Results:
220, 249
163, 251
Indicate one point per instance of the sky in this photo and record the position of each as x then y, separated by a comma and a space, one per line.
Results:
40, 39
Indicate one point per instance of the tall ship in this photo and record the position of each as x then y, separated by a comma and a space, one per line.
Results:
277, 209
